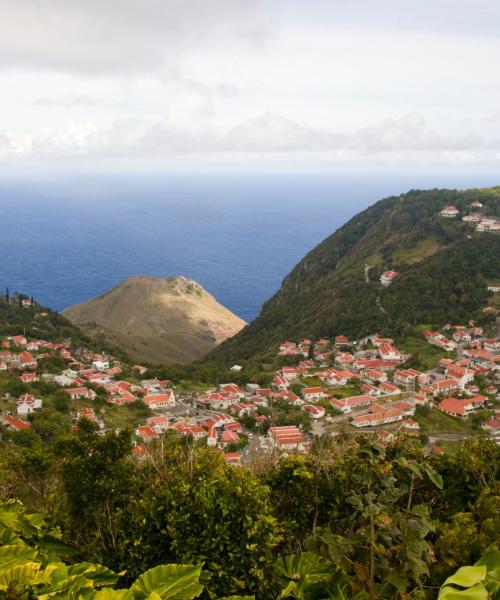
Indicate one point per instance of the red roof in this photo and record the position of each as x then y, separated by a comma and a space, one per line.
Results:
17, 424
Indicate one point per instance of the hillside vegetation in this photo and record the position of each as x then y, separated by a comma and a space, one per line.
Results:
444, 267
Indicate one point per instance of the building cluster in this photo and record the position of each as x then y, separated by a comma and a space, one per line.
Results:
482, 222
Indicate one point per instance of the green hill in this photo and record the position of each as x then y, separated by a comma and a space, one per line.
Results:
39, 322
444, 267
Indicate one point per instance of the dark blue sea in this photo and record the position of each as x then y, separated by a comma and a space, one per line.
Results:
67, 239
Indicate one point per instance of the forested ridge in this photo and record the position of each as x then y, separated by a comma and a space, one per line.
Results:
444, 266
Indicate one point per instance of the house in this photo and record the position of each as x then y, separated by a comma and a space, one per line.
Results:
341, 340
315, 412
379, 418
19, 340
376, 375
455, 407
232, 458
229, 437
291, 373
146, 432
476, 204
219, 400
446, 386
100, 364
406, 408
388, 277
232, 388
461, 374
449, 211
472, 218
491, 225
389, 388
461, 407
410, 426
280, 382
491, 345
159, 423
86, 413
212, 437
406, 377
81, 392
26, 404
27, 360
287, 437
345, 359
313, 393
14, 423
347, 405
28, 377
492, 426
161, 400
241, 410
389, 352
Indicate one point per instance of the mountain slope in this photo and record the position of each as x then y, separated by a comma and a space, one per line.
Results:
158, 320
443, 264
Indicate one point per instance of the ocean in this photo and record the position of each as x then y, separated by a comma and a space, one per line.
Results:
67, 239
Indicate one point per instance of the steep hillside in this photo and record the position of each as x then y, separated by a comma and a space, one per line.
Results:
39, 322
444, 266
158, 320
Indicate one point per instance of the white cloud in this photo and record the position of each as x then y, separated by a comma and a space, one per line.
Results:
268, 133
326, 80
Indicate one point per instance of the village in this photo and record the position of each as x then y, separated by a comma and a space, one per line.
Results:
323, 387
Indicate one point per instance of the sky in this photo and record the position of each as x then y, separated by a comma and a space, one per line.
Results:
249, 84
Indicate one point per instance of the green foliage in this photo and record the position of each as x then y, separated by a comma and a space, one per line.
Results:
326, 293
478, 582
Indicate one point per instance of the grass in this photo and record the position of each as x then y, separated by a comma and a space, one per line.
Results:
423, 249
346, 391
449, 446
424, 356
312, 382
434, 421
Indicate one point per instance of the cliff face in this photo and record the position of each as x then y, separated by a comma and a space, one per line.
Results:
158, 320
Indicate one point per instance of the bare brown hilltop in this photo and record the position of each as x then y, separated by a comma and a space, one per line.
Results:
158, 320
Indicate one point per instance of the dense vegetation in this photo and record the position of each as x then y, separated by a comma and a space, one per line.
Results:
39, 322
444, 267
374, 522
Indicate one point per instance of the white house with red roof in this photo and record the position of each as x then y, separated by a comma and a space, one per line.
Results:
27, 360
314, 411
388, 277
232, 388
27, 404
389, 352
457, 407
313, 393
14, 423
146, 433
347, 405
159, 401
287, 437
379, 418
449, 211
81, 392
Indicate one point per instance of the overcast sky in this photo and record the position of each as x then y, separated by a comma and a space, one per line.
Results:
249, 84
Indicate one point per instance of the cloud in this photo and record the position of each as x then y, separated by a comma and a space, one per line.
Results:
102, 36
410, 132
407, 136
